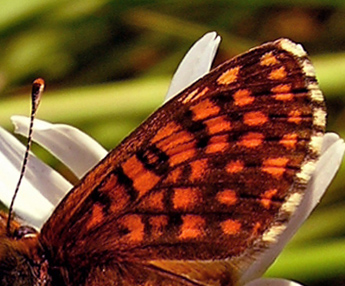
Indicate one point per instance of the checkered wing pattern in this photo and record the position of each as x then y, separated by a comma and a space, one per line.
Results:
206, 181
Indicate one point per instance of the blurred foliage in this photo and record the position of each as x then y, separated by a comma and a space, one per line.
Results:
108, 64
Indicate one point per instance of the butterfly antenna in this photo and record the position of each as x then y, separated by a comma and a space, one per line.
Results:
37, 90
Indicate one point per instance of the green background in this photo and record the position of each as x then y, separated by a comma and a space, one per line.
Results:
107, 65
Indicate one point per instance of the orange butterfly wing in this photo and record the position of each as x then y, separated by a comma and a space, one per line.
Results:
204, 183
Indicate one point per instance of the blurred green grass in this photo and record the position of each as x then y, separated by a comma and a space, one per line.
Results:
108, 64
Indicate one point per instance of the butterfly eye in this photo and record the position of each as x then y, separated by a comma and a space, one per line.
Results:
24, 232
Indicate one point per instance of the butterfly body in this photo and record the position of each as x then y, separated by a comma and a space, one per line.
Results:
199, 190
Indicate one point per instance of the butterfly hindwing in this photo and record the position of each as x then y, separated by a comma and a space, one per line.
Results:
212, 175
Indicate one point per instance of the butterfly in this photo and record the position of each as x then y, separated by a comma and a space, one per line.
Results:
195, 193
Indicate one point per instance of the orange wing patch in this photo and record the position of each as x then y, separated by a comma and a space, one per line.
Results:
217, 125
143, 179
190, 96
229, 76
278, 74
295, 116
243, 97
195, 95
181, 153
251, 140
227, 197
230, 226
173, 176
135, 226
254, 118
154, 201
281, 88
96, 217
198, 169
158, 224
186, 198
192, 227
179, 147
170, 143
284, 96
204, 109
289, 141
267, 198
275, 166
268, 59
165, 131
217, 144
282, 92
234, 166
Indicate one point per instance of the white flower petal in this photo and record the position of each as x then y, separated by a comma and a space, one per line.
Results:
41, 188
328, 140
327, 166
75, 149
196, 63
272, 282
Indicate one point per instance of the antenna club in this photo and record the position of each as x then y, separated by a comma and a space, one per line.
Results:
38, 86
39, 81
37, 89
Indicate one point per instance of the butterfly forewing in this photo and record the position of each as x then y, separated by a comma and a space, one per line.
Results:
211, 176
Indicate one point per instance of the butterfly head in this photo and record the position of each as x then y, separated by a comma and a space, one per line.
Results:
21, 262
